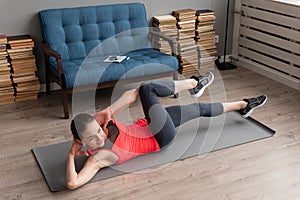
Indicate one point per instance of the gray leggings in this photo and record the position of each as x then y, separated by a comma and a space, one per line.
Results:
163, 121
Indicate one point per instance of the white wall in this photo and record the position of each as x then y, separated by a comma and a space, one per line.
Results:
21, 16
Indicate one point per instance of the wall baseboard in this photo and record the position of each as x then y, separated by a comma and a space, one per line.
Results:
227, 59
269, 73
53, 86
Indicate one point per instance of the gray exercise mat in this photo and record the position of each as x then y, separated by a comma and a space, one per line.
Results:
195, 137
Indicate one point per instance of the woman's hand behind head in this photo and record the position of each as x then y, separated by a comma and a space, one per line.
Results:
76, 149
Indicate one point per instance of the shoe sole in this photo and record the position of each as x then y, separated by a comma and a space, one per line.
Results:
250, 112
202, 89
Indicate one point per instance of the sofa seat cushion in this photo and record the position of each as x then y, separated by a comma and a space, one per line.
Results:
93, 70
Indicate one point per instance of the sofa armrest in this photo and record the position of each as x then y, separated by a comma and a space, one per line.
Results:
171, 41
50, 52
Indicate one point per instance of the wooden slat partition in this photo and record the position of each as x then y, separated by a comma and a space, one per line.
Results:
277, 18
273, 52
269, 38
271, 28
266, 38
273, 6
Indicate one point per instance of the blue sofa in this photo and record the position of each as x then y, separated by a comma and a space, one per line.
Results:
77, 40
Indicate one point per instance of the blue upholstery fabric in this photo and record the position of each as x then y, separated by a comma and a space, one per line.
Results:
76, 32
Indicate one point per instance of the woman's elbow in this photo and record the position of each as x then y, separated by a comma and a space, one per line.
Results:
71, 185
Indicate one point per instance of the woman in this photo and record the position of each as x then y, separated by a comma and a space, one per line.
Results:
110, 142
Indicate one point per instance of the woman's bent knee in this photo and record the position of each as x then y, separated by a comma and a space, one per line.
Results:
145, 87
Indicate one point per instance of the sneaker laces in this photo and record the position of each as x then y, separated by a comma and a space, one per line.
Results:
204, 81
254, 101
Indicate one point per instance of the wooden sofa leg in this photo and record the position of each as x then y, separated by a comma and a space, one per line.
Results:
47, 84
64, 95
47, 74
175, 77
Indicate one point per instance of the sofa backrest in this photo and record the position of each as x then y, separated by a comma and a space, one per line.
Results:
74, 32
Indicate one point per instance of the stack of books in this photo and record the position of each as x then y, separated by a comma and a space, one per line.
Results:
23, 65
188, 50
6, 88
165, 24
205, 37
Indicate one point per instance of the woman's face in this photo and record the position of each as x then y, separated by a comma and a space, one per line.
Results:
93, 136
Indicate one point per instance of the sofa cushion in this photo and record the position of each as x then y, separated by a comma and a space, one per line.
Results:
74, 32
80, 72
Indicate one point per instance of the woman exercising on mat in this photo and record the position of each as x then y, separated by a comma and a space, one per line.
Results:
110, 142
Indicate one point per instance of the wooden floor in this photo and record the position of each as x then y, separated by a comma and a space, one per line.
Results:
267, 169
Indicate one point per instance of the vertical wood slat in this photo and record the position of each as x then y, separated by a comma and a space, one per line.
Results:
269, 37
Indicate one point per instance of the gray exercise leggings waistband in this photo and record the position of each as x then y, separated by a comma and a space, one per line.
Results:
163, 121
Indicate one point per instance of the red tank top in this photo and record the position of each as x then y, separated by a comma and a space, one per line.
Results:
132, 141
